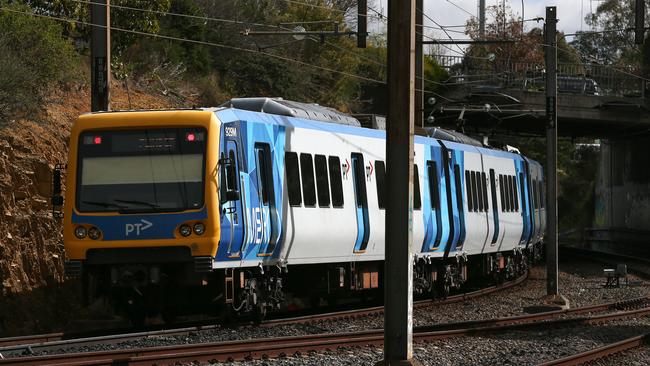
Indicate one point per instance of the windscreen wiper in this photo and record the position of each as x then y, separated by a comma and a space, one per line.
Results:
104, 204
152, 205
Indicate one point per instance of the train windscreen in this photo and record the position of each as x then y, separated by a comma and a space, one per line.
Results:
156, 170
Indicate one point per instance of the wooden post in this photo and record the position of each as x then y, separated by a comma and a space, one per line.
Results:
100, 55
398, 274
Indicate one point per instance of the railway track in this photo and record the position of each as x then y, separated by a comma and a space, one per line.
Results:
46, 342
277, 347
601, 352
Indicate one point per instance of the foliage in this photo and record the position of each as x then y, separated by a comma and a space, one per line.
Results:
614, 45
526, 47
34, 57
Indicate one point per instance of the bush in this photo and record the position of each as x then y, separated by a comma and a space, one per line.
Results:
35, 56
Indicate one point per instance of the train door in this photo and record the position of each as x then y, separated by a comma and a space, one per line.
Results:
232, 226
361, 200
495, 208
453, 193
265, 232
525, 205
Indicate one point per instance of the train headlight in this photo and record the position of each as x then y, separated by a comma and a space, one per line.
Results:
199, 229
80, 232
94, 233
185, 230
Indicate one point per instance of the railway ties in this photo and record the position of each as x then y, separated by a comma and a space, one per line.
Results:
277, 347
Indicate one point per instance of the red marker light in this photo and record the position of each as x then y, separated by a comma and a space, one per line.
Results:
190, 137
97, 140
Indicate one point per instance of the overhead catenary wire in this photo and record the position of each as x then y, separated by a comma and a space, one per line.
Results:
219, 45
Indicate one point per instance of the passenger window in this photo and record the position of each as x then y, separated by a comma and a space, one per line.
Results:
515, 192
263, 175
542, 197
307, 174
335, 180
501, 193
433, 185
478, 199
417, 200
486, 205
322, 183
380, 176
293, 178
468, 190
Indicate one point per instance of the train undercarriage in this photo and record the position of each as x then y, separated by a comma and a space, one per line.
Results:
159, 288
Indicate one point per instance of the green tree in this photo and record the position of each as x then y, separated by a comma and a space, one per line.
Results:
35, 56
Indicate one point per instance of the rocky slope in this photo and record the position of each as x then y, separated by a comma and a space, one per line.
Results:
33, 296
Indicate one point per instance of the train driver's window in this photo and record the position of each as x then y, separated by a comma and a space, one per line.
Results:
293, 178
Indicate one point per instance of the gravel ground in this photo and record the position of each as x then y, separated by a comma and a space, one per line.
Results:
580, 282
636, 357
513, 348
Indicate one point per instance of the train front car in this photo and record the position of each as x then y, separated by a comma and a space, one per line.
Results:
141, 222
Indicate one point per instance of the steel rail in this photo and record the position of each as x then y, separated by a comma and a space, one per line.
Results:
601, 352
274, 347
55, 340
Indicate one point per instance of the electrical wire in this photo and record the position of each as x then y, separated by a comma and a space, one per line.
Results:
461, 8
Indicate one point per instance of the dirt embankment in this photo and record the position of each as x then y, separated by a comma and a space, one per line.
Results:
33, 296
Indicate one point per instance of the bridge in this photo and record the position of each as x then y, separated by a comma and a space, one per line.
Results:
593, 100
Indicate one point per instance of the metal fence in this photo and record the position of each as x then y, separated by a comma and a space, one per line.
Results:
587, 79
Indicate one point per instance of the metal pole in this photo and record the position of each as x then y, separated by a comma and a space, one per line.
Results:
481, 18
419, 64
398, 280
100, 55
362, 23
550, 40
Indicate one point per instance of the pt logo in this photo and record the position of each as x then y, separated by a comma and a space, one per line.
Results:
138, 228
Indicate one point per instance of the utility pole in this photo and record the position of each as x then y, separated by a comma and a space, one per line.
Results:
100, 55
639, 21
550, 40
481, 18
362, 23
398, 272
419, 64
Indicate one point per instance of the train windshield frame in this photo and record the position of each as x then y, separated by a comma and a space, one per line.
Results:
139, 171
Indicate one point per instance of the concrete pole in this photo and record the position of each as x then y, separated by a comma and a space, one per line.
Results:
550, 40
100, 55
419, 64
481, 18
398, 274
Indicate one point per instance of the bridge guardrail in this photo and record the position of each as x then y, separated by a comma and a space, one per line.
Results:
585, 79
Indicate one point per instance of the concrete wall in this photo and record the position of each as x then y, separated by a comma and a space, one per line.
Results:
623, 186
622, 202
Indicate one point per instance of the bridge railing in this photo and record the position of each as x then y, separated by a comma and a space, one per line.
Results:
586, 79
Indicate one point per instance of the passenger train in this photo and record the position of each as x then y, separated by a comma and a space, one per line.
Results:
264, 203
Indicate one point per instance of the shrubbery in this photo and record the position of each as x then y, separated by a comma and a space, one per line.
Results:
33, 56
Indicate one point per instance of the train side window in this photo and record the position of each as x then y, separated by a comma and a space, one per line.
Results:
322, 182
511, 204
475, 197
263, 174
502, 195
307, 174
468, 190
417, 200
231, 173
486, 205
380, 176
293, 178
542, 198
479, 192
515, 192
433, 185
335, 181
